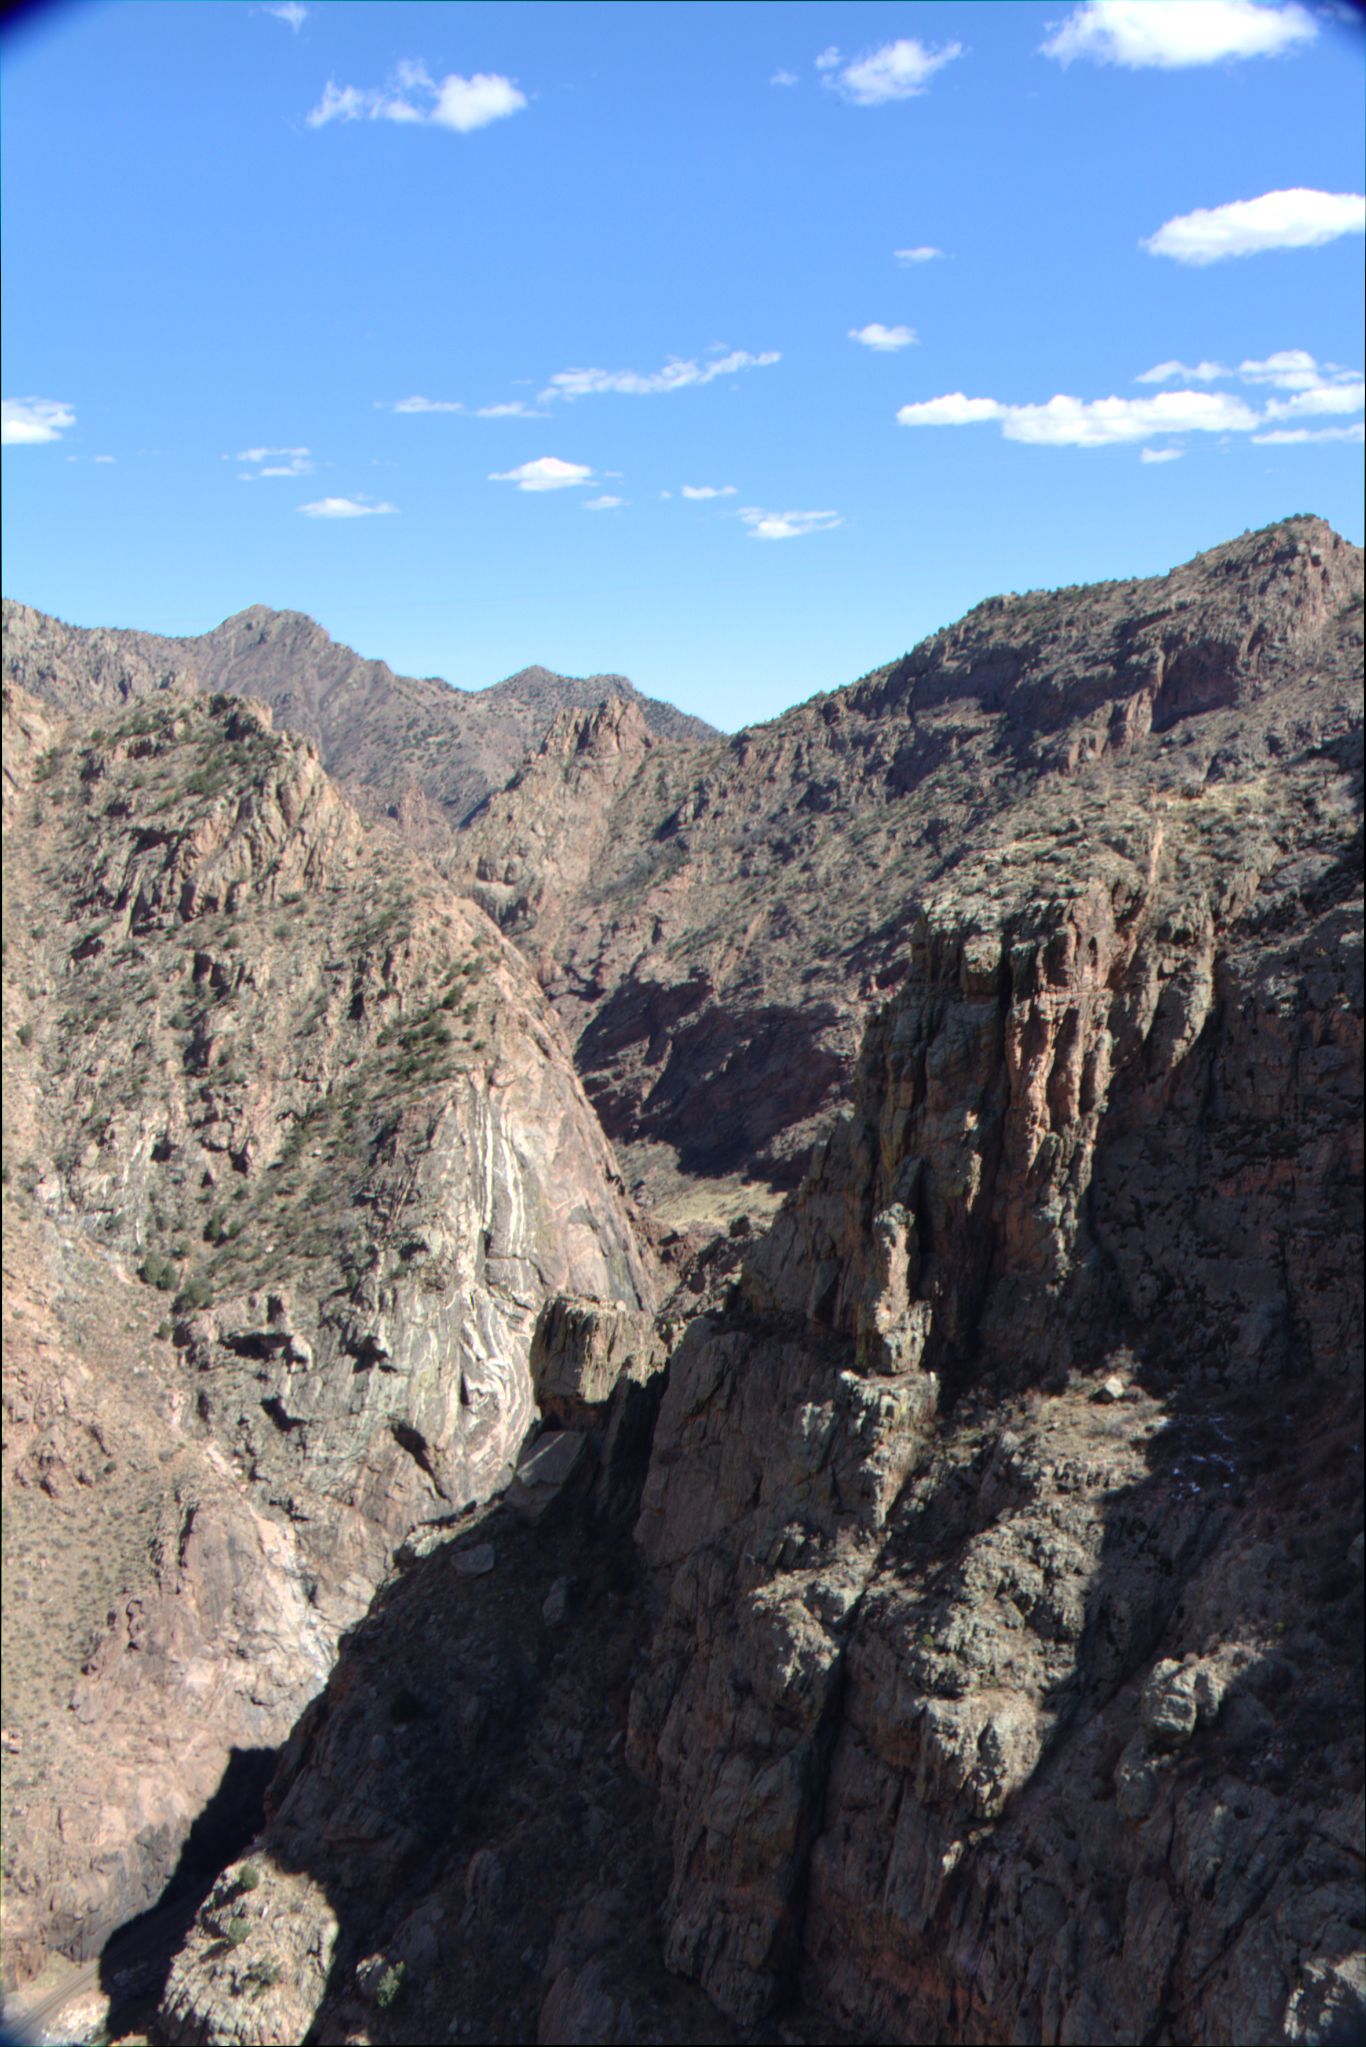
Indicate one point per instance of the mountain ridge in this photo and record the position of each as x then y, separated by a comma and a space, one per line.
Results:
859, 1539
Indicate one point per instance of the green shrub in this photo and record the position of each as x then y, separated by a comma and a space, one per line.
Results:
237, 1929
248, 1877
196, 1293
25, 1034
158, 1272
390, 1984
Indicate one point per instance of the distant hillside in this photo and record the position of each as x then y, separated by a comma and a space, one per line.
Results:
420, 750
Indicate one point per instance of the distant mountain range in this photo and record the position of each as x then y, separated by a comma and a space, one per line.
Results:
389, 739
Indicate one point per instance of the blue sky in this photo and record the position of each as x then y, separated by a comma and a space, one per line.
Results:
436, 322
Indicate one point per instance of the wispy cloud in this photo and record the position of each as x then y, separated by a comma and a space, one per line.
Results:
708, 490
1296, 219
547, 472
1313, 391
1288, 369
677, 375
1141, 35
273, 462
419, 405
345, 508
784, 78
898, 71
885, 339
417, 99
512, 408
1182, 373
787, 525
924, 254
24, 422
603, 504
292, 12
1160, 454
104, 458
1288, 436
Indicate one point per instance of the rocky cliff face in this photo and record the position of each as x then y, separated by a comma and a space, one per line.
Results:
265, 1072
952, 1633
993, 1669
716, 926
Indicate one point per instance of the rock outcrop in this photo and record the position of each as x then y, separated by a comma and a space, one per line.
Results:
267, 1075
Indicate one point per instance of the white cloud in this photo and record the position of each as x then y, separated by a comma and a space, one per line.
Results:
1294, 369
784, 78
419, 405
273, 462
345, 508
1176, 372
547, 472
1160, 454
293, 12
1336, 397
951, 410
885, 339
1319, 387
1141, 34
676, 375
104, 458
787, 525
415, 98
603, 504
1095, 423
898, 71
1102, 422
514, 408
1285, 436
708, 490
468, 103
24, 422
924, 254
1296, 219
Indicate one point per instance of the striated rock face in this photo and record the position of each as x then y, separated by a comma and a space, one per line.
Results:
267, 1075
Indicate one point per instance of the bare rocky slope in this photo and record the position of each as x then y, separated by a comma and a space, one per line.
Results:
955, 1632
294, 1155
